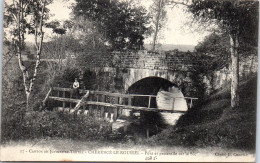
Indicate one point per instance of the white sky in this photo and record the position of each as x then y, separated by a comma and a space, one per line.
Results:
60, 9
175, 32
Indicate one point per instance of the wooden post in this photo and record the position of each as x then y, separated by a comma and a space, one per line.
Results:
106, 116
106, 109
95, 107
102, 108
58, 95
112, 117
63, 103
83, 108
129, 100
97, 97
120, 108
58, 91
70, 98
149, 104
120, 100
90, 107
147, 133
115, 110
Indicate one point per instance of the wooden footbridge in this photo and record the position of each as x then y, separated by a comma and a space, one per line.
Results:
100, 103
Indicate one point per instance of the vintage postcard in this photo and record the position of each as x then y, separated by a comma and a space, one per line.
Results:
129, 80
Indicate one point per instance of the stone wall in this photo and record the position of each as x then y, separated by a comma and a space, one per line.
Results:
179, 61
248, 66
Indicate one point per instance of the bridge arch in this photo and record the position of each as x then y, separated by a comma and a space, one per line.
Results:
148, 86
134, 75
151, 86
180, 79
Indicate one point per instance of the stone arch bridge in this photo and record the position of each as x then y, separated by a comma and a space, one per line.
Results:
140, 72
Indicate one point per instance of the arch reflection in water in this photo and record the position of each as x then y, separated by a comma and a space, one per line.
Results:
163, 89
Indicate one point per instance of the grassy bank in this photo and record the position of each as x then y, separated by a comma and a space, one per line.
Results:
214, 123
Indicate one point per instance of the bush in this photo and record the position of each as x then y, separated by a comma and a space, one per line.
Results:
36, 124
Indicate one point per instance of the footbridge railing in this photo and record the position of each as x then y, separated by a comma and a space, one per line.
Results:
100, 103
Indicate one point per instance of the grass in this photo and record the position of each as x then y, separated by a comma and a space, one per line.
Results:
214, 123
50, 124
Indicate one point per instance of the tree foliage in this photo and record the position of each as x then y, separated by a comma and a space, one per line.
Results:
122, 24
24, 17
214, 50
239, 19
89, 37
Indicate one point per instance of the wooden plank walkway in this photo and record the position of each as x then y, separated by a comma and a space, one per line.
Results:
102, 101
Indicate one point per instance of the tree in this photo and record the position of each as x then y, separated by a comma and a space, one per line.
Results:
217, 48
213, 54
90, 38
26, 17
122, 24
159, 17
240, 20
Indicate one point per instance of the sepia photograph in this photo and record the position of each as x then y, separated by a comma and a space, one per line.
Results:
129, 80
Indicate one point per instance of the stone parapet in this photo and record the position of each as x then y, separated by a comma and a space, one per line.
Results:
179, 61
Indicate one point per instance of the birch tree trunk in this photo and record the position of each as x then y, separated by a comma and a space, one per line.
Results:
155, 33
234, 70
28, 81
159, 8
25, 76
